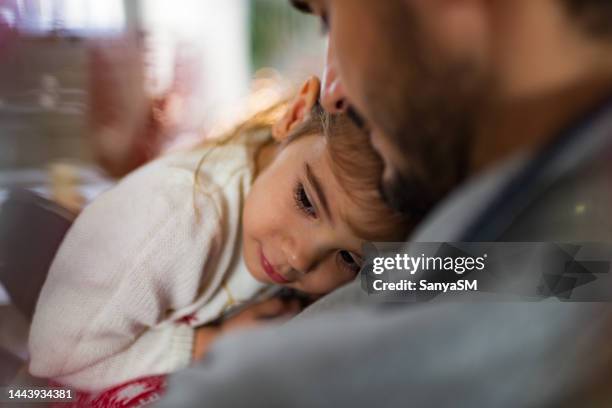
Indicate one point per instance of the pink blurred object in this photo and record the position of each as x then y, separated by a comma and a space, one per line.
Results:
8, 25
130, 124
119, 108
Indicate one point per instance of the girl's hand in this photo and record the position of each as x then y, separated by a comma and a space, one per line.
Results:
254, 315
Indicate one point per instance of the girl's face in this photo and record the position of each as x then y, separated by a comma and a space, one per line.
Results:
295, 231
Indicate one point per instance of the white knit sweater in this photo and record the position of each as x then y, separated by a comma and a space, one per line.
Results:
143, 265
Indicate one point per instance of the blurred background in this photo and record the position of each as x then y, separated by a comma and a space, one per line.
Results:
91, 89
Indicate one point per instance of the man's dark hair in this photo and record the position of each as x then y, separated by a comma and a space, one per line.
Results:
301, 6
595, 16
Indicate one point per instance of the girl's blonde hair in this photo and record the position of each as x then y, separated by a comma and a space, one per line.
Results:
355, 164
260, 121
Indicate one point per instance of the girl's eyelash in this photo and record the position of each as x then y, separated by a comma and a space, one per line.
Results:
348, 261
302, 201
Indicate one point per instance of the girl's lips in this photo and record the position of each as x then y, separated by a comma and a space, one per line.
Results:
270, 271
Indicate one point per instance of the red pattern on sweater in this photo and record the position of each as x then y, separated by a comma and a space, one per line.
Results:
140, 392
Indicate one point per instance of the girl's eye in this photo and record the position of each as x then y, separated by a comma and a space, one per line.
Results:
349, 261
302, 201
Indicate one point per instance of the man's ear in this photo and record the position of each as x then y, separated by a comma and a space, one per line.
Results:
298, 110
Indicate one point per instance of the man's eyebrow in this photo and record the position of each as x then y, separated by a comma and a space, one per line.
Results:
314, 181
301, 5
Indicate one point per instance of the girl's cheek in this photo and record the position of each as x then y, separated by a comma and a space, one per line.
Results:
321, 285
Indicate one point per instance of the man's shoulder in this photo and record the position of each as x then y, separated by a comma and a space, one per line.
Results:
575, 207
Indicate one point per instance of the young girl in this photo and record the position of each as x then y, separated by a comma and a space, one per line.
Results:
181, 240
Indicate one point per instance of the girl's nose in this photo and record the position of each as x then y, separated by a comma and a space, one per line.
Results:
300, 254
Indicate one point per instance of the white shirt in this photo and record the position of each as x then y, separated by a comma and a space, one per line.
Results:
143, 265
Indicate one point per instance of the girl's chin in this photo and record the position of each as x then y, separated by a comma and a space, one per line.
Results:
261, 278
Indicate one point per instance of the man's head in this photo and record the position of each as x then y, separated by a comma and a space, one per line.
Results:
423, 72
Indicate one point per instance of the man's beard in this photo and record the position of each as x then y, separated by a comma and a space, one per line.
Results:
428, 110
407, 194
437, 159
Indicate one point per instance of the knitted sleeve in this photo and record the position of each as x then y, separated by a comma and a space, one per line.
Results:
132, 258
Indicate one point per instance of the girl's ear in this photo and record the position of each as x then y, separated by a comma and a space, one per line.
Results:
298, 110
